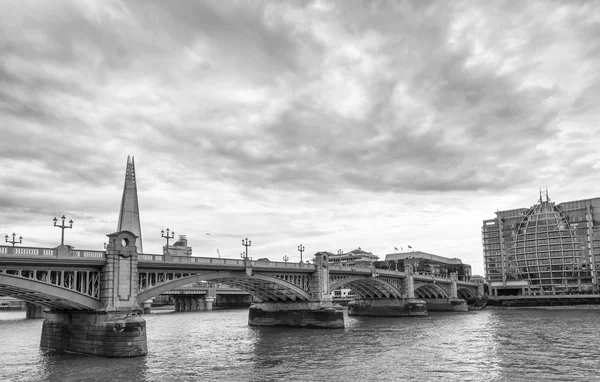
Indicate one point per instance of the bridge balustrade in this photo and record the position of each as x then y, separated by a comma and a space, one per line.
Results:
36, 251
28, 251
217, 261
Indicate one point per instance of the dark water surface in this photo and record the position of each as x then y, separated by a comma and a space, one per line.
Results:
488, 345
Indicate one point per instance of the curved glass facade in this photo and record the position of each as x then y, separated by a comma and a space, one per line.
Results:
546, 250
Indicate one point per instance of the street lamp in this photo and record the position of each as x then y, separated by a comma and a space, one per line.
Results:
340, 252
301, 249
167, 236
14, 241
246, 243
62, 228
285, 258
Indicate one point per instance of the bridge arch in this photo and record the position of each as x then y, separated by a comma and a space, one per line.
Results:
430, 291
261, 287
369, 287
46, 295
466, 293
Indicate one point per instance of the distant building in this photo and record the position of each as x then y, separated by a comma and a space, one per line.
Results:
179, 248
423, 262
356, 257
547, 248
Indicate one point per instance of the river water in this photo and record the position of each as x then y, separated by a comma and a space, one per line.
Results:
494, 344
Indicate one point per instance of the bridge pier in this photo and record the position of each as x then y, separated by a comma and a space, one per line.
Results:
115, 331
97, 333
34, 311
446, 304
147, 306
312, 314
318, 312
397, 307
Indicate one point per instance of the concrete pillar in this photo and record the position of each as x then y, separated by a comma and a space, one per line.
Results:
201, 304
194, 304
33, 311
209, 303
453, 292
409, 282
147, 306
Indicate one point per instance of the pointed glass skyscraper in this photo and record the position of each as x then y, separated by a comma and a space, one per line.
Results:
129, 214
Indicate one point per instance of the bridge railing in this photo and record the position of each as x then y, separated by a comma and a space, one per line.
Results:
28, 251
48, 252
217, 261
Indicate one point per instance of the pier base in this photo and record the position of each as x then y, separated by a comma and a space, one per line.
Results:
111, 334
302, 314
398, 307
446, 305
33, 311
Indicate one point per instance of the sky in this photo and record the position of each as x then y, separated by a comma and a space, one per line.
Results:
331, 124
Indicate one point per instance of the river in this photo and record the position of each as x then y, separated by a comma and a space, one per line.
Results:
494, 344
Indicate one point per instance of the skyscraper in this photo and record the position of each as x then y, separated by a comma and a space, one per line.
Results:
545, 249
129, 214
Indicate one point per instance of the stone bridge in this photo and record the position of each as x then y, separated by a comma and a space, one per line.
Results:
104, 292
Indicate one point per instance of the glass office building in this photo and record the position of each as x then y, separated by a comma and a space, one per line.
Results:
546, 249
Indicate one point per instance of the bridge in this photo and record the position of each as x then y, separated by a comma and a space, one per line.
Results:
94, 300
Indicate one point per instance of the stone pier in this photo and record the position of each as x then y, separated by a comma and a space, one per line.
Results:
398, 307
446, 305
320, 312
34, 311
115, 331
192, 303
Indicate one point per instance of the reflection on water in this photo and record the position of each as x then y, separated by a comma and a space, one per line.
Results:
487, 345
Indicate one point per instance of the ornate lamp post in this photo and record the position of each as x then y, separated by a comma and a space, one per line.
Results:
14, 241
167, 236
62, 228
301, 249
285, 258
340, 252
246, 243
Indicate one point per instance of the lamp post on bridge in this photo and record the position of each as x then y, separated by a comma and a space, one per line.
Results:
246, 243
285, 258
167, 236
14, 240
62, 228
301, 249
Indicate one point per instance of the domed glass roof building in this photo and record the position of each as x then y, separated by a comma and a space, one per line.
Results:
545, 249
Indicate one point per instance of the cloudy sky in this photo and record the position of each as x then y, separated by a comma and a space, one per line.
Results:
332, 124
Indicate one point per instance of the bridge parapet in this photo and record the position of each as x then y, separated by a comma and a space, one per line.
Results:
48, 252
147, 257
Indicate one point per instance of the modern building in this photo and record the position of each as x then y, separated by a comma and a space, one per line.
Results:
423, 262
356, 257
547, 248
179, 248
